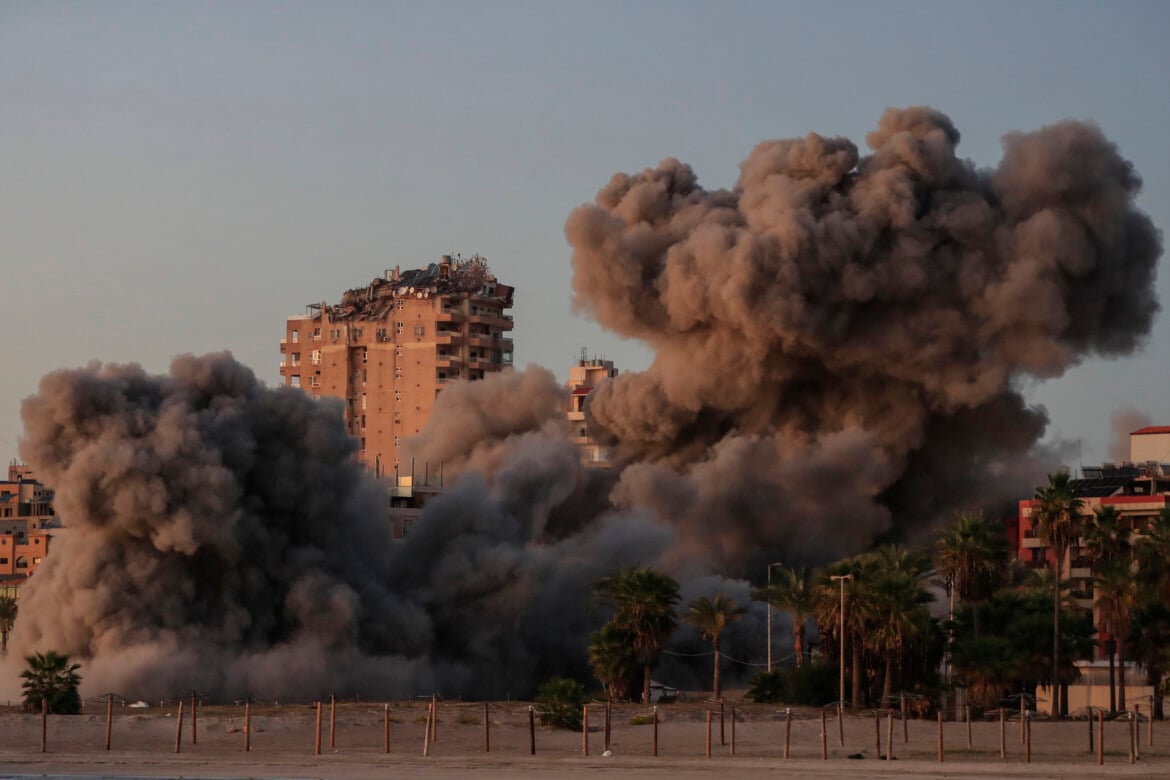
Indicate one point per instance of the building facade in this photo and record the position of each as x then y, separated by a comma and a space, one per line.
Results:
583, 378
388, 349
1139, 490
28, 524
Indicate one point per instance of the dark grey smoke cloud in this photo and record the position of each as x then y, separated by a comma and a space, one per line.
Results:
839, 338
221, 537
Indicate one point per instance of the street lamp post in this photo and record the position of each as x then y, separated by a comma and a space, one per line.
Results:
840, 578
770, 565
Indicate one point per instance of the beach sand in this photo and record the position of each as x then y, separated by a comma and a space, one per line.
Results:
282, 743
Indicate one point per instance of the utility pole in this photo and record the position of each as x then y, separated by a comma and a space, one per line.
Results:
770, 565
840, 579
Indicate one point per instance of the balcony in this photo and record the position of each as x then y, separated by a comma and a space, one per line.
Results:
499, 321
448, 337
448, 361
480, 340
452, 315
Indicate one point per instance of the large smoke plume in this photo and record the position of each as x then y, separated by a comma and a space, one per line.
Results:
839, 340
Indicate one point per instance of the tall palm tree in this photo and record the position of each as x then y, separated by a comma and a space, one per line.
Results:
971, 557
644, 603
49, 677
1056, 520
611, 654
1152, 550
828, 614
1106, 543
794, 591
7, 620
1116, 599
896, 611
712, 617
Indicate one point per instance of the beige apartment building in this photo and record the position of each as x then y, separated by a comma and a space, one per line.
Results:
28, 524
388, 349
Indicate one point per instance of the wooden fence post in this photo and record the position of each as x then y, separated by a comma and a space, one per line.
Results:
109, 718
708, 733
386, 727
317, 742
722, 733
1100, 737
531, 730
487, 730
877, 733
427, 732
969, 742
656, 731
434, 718
332, 721
1137, 731
940, 738
1002, 733
44, 723
905, 724
1028, 739
247, 726
179, 729
824, 738
585, 729
841, 722
787, 729
194, 717
733, 731
890, 736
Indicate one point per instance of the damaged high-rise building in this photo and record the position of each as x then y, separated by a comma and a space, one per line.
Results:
388, 349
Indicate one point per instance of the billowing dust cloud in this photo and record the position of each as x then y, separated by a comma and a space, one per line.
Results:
222, 538
839, 338
839, 341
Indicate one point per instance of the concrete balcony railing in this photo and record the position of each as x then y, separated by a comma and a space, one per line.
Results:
450, 316
448, 361
500, 321
448, 337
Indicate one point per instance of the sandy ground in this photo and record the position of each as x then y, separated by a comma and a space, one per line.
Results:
283, 745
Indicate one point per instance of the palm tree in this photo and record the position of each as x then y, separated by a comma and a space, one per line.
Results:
49, 677
1106, 543
644, 606
897, 611
1056, 520
793, 592
1152, 552
712, 617
830, 594
7, 620
1106, 536
1116, 597
1149, 644
971, 557
611, 654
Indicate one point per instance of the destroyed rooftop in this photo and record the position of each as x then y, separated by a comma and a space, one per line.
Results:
470, 277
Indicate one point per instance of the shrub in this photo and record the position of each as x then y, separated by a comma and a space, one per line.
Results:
811, 684
559, 702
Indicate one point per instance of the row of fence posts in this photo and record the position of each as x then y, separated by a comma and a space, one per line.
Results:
430, 735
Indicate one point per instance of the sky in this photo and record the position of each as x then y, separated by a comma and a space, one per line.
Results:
182, 177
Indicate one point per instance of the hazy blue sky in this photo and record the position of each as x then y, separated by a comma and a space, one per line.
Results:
180, 177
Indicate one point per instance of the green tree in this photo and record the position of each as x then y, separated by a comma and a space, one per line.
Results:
1115, 602
1149, 645
7, 620
1106, 536
712, 617
897, 611
1056, 520
971, 557
644, 602
611, 654
50, 677
794, 592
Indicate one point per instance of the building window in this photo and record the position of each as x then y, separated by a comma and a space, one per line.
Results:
315, 357
22, 562
363, 402
36, 561
296, 358
316, 334
294, 381
313, 381
296, 336
363, 444
365, 354
420, 330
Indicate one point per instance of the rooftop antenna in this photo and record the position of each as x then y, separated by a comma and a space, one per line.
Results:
584, 354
